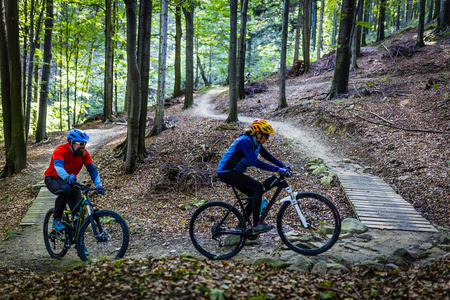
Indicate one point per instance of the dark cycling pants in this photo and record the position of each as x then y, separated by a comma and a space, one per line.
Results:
249, 186
65, 192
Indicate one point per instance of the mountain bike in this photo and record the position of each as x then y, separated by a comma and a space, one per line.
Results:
96, 234
308, 223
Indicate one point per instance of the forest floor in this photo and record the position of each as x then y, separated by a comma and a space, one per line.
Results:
406, 87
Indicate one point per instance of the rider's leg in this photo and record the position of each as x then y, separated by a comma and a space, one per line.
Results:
248, 186
64, 192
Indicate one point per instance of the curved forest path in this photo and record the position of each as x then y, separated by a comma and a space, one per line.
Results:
377, 205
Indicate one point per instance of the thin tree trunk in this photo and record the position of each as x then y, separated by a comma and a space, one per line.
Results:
189, 87
178, 35
241, 51
306, 34
233, 115
282, 102
109, 68
319, 40
381, 20
159, 126
298, 29
202, 72
43, 99
421, 26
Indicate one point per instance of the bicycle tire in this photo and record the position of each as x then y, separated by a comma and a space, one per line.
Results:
112, 241
213, 239
323, 219
56, 242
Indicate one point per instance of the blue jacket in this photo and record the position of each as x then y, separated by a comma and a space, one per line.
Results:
243, 153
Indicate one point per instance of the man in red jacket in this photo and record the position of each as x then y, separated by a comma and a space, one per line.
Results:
67, 161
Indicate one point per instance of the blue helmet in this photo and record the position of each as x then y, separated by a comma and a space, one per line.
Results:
78, 135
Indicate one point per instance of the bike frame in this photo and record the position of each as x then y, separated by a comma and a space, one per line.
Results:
84, 206
282, 184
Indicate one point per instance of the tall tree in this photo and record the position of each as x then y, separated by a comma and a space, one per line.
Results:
421, 25
15, 145
319, 39
241, 51
233, 114
381, 20
306, 34
298, 28
133, 79
43, 99
33, 43
444, 17
284, 35
189, 88
144, 39
109, 61
159, 126
341, 68
178, 35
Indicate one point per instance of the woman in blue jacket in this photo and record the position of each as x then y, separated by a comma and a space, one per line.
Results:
243, 153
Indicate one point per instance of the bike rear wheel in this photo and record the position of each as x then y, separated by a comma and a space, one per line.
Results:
323, 219
217, 230
111, 241
56, 241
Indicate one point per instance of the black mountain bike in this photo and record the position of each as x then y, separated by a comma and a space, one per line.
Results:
307, 223
96, 234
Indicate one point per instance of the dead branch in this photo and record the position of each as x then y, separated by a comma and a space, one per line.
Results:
337, 291
376, 115
401, 128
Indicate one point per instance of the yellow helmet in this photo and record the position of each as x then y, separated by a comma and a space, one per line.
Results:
262, 126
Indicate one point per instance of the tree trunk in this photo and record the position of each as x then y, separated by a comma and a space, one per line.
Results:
202, 72
341, 69
77, 54
144, 40
5, 80
359, 28
306, 34
319, 39
444, 17
233, 115
354, 39
109, 68
16, 154
159, 126
284, 35
241, 50
33, 42
134, 80
298, 29
421, 25
313, 24
381, 19
189, 88
43, 99
178, 35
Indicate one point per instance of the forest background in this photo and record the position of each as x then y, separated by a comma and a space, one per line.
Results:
66, 61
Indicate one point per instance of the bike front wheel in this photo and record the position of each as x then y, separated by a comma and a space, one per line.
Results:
105, 238
323, 224
56, 241
217, 230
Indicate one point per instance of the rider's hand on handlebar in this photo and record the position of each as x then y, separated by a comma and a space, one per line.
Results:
100, 190
286, 172
70, 179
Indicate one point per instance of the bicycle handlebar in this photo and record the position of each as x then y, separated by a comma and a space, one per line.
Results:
84, 187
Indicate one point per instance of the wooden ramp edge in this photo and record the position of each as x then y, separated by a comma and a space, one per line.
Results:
378, 206
36, 213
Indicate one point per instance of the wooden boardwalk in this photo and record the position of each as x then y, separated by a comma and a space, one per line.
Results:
36, 213
378, 206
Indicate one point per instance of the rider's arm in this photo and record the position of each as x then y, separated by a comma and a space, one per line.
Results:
94, 174
247, 148
59, 167
266, 155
